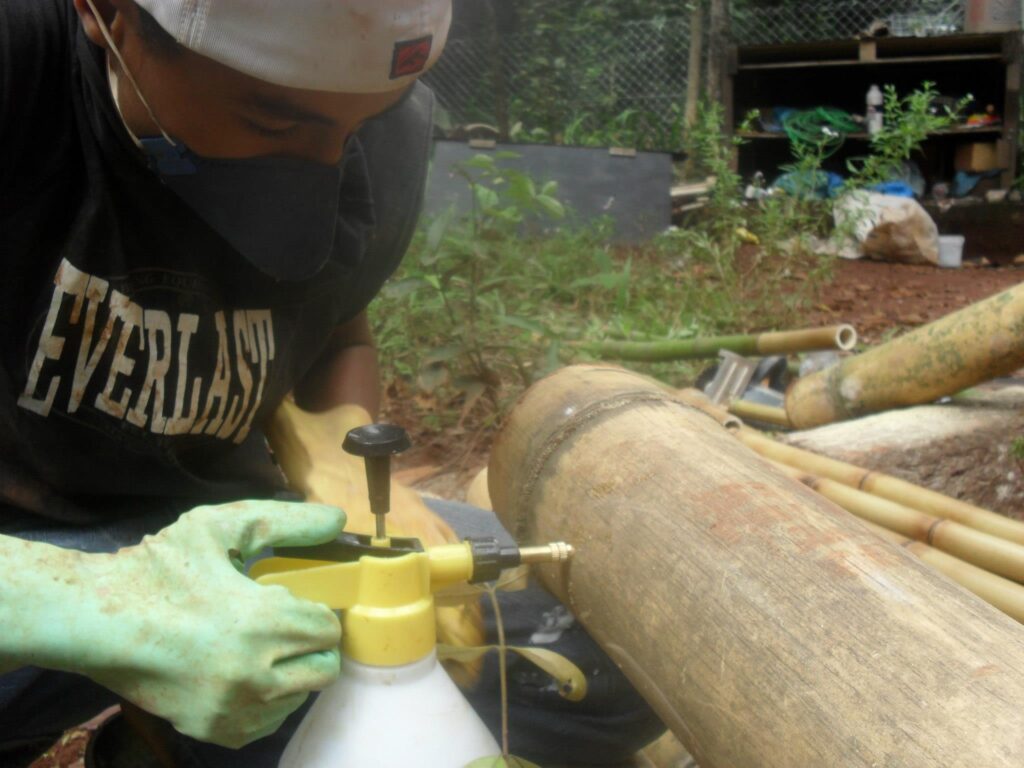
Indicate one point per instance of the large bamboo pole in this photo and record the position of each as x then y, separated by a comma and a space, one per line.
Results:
982, 549
765, 625
981, 342
1002, 593
841, 337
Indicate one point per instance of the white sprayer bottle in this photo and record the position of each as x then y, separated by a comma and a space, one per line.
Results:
393, 706
875, 117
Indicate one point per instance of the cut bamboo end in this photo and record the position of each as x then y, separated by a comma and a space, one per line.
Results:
846, 338
839, 337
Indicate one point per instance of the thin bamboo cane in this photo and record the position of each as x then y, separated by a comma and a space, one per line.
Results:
841, 337
766, 414
876, 483
1006, 595
697, 399
887, 487
984, 550
981, 342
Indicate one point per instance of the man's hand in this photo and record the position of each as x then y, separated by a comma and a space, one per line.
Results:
173, 626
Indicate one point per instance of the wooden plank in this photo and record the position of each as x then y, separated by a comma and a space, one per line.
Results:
1014, 50
876, 62
887, 48
868, 50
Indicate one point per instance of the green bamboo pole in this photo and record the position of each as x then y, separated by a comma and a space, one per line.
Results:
841, 337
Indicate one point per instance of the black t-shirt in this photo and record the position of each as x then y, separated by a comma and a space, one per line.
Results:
139, 353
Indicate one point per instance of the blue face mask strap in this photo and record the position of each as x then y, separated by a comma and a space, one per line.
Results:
168, 158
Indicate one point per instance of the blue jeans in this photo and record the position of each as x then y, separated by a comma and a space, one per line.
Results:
606, 727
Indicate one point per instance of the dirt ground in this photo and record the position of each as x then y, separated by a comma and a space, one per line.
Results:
881, 299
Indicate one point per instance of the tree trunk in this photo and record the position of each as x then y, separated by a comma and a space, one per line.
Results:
718, 47
498, 73
693, 70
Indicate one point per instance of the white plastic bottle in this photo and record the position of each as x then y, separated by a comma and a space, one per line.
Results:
875, 102
390, 717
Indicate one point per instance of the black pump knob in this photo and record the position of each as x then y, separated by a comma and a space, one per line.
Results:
377, 443
375, 440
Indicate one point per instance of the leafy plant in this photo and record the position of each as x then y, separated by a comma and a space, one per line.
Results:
909, 120
1017, 449
486, 303
458, 275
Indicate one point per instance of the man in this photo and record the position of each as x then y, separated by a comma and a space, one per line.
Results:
198, 200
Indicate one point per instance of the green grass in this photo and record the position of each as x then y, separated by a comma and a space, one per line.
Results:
478, 312
489, 316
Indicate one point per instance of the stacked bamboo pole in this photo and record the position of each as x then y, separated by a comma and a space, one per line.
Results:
887, 487
1002, 593
765, 414
979, 343
982, 549
968, 544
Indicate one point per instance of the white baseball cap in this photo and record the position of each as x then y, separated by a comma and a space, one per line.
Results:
345, 46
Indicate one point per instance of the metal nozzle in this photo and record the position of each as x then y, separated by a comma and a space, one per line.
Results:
557, 552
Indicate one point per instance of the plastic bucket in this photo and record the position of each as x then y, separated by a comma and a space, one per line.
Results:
951, 251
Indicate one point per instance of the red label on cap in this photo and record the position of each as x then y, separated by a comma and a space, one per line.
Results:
411, 57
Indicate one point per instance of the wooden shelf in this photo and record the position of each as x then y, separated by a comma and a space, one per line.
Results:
837, 73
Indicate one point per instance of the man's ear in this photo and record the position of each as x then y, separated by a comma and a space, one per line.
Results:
109, 10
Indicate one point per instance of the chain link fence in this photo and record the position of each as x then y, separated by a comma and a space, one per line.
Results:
831, 20
628, 84
556, 85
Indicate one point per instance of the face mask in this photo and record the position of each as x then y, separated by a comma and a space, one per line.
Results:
280, 213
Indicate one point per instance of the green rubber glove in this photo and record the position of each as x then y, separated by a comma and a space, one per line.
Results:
173, 626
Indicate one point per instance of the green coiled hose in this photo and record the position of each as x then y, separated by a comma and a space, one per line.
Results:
823, 127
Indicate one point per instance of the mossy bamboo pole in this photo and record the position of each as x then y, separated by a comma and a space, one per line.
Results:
766, 414
887, 487
982, 549
982, 342
842, 337
765, 626
1006, 595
